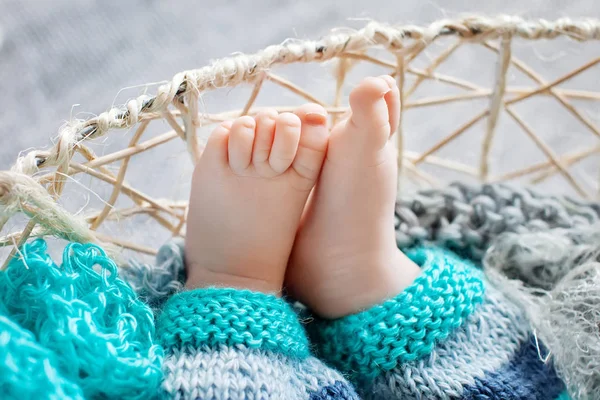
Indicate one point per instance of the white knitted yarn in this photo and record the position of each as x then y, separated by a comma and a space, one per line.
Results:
566, 315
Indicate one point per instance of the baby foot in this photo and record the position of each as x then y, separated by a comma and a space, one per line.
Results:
248, 192
345, 258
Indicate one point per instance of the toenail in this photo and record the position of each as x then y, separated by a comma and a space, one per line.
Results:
389, 79
315, 119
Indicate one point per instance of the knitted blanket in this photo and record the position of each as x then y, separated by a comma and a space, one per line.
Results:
86, 330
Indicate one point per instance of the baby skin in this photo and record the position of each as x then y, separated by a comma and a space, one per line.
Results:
279, 200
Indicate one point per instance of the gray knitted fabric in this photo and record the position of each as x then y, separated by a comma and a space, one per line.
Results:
542, 259
468, 218
154, 283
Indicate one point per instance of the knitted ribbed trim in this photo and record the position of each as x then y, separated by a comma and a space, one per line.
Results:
214, 316
407, 327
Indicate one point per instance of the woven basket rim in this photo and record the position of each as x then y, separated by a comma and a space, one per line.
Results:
225, 72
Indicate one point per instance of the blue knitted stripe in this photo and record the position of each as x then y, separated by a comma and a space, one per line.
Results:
338, 391
231, 373
407, 327
238, 372
525, 377
215, 316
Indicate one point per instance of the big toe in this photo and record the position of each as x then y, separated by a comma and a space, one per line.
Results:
373, 117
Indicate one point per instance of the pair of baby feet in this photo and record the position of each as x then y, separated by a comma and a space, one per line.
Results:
252, 225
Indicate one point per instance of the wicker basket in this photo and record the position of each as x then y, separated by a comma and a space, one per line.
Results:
482, 127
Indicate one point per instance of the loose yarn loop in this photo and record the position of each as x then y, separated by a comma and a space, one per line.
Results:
100, 335
562, 299
155, 283
572, 317
542, 259
30, 371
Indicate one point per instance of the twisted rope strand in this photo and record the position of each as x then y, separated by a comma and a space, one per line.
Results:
232, 71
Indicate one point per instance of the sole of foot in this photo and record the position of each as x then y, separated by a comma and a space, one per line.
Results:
249, 189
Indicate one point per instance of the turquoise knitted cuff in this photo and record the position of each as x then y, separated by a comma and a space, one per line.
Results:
407, 327
216, 316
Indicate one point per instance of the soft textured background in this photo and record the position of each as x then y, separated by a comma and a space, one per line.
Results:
61, 59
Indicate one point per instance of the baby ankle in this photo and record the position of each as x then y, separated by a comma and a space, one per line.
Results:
378, 284
203, 278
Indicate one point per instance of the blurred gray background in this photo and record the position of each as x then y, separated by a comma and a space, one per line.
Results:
61, 59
